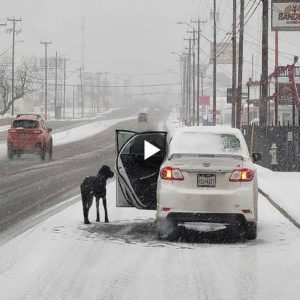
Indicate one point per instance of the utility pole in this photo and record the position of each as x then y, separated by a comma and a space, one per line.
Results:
98, 90
189, 81
55, 95
105, 83
13, 30
194, 66
264, 62
129, 91
81, 91
198, 65
215, 69
73, 101
184, 89
240, 73
116, 92
46, 43
233, 105
64, 97
276, 79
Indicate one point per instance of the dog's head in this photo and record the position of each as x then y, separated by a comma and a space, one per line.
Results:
106, 172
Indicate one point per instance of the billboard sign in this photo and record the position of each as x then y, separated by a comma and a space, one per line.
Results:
224, 53
285, 15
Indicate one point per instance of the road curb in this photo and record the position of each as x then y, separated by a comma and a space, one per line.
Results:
280, 209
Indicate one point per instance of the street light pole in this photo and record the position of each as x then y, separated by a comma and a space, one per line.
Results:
215, 69
13, 30
264, 79
194, 65
55, 94
198, 66
233, 87
46, 43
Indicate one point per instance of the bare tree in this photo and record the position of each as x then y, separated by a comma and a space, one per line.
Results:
24, 77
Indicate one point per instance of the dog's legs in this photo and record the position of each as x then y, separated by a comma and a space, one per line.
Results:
105, 209
88, 205
85, 209
97, 209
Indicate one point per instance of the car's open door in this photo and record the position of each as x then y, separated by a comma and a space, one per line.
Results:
137, 176
122, 199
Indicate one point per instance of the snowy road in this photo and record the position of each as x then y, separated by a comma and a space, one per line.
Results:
61, 258
28, 185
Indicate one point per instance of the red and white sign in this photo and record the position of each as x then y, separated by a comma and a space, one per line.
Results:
204, 100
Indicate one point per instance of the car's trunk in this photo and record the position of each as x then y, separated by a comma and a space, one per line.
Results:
207, 172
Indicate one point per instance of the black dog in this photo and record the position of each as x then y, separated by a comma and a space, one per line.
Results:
95, 186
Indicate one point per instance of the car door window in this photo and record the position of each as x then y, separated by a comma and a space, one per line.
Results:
141, 175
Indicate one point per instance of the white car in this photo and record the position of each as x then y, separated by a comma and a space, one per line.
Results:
205, 174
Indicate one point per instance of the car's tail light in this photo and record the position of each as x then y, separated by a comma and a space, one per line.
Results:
166, 209
169, 173
12, 130
37, 131
241, 175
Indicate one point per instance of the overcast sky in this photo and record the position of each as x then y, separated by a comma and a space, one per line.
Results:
130, 37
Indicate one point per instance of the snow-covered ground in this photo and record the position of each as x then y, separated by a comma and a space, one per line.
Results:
283, 188
4, 128
85, 131
61, 258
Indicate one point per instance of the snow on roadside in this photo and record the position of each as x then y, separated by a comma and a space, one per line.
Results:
89, 117
4, 128
85, 131
283, 188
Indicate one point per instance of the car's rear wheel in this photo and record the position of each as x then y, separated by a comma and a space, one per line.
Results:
10, 154
43, 153
50, 151
251, 230
166, 230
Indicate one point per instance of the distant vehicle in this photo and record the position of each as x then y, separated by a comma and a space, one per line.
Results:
143, 117
205, 175
29, 134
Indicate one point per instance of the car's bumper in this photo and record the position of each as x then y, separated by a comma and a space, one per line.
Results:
21, 147
207, 205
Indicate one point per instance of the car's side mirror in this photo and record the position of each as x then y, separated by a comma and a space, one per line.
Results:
49, 129
256, 157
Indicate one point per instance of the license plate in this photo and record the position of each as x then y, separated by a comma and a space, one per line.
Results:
206, 180
23, 136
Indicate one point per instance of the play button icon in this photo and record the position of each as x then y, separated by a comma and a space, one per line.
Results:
149, 150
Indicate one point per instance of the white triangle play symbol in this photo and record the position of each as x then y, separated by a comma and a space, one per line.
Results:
149, 150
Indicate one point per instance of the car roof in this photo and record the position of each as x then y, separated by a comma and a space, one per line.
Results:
208, 129
176, 146
28, 117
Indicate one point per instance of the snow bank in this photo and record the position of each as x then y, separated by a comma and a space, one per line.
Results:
85, 131
283, 188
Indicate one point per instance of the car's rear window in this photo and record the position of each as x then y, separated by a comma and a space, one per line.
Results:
206, 143
25, 123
